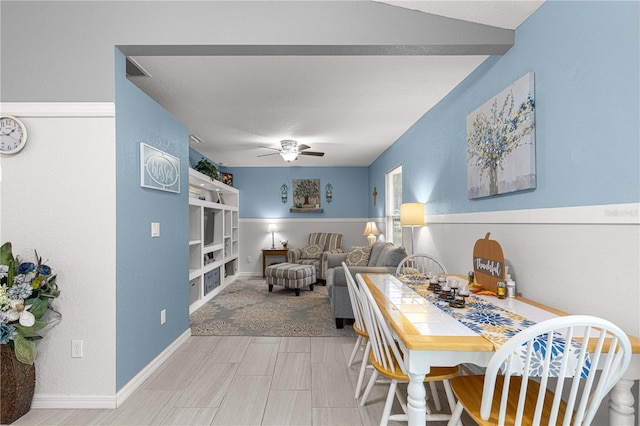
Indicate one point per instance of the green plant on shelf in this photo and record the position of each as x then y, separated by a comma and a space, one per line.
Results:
206, 167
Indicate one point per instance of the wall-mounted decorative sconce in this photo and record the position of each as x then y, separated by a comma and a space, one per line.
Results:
283, 193
329, 192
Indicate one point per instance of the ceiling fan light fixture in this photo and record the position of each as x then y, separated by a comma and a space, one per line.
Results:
289, 156
289, 150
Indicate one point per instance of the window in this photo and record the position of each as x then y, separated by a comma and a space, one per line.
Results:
393, 199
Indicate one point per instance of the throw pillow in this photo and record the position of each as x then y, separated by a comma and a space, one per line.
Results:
391, 256
359, 256
312, 251
376, 249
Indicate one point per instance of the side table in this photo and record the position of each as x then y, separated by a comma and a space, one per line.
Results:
273, 256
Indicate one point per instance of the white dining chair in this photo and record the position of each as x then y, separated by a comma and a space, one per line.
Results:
423, 263
510, 394
420, 263
387, 361
359, 327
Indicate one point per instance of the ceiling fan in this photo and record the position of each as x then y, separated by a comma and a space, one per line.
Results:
290, 150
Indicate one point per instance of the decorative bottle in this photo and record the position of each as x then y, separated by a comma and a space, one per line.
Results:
511, 286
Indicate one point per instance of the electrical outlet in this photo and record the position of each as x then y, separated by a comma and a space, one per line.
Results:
248, 259
163, 316
76, 349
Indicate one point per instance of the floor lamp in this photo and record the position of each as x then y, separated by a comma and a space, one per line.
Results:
412, 214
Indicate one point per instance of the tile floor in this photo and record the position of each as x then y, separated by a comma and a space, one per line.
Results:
239, 380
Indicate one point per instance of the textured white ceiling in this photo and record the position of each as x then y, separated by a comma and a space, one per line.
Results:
350, 107
504, 14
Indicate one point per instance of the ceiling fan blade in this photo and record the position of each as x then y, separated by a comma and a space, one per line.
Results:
266, 155
268, 147
314, 153
303, 147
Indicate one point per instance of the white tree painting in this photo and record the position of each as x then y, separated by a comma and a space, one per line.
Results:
501, 142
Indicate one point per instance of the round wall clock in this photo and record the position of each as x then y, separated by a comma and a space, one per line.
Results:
13, 135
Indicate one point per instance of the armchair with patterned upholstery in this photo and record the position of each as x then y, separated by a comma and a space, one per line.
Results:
320, 245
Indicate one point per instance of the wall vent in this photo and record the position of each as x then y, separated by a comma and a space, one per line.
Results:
135, 70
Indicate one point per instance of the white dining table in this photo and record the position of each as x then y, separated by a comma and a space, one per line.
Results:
428, 336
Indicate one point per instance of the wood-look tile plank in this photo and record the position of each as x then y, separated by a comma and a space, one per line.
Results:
59, 417
293, 371
179, 370
144, 407
259, 360
295, 344
331, 386
189, 416
266, 339
327, 350
209, 387
203, 344
231, 348
285, 407
336, 416
87, 417
244, 402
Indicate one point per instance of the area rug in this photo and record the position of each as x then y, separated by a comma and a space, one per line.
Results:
246, 308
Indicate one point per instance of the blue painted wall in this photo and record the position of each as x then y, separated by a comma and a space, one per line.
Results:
151, 273
260, 191
585, 57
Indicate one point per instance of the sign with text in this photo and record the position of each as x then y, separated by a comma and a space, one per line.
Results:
159, 170
488, 263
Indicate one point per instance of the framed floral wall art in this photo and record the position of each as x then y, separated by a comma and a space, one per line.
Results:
501, 142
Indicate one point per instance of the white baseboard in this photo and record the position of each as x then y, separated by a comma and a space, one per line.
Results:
47, 401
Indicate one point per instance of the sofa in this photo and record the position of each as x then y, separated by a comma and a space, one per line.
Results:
320, 245
380, 257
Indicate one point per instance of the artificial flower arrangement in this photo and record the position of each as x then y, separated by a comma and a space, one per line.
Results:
26, 290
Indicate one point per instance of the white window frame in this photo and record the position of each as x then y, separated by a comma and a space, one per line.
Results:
393, 199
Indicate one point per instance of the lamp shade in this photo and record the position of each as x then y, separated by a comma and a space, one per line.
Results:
370, 229
412, 214
272, 227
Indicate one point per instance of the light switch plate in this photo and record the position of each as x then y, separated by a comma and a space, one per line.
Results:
155, 229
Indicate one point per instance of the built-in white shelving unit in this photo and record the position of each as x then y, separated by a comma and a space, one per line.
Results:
213, 237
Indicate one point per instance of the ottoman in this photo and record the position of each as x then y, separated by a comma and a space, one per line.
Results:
291, 275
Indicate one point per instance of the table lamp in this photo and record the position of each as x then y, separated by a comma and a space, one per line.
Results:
371, 230
272, 228
412, 214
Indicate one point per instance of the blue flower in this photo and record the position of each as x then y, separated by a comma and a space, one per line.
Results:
20, 291
25, 267
44, 270
6, 333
